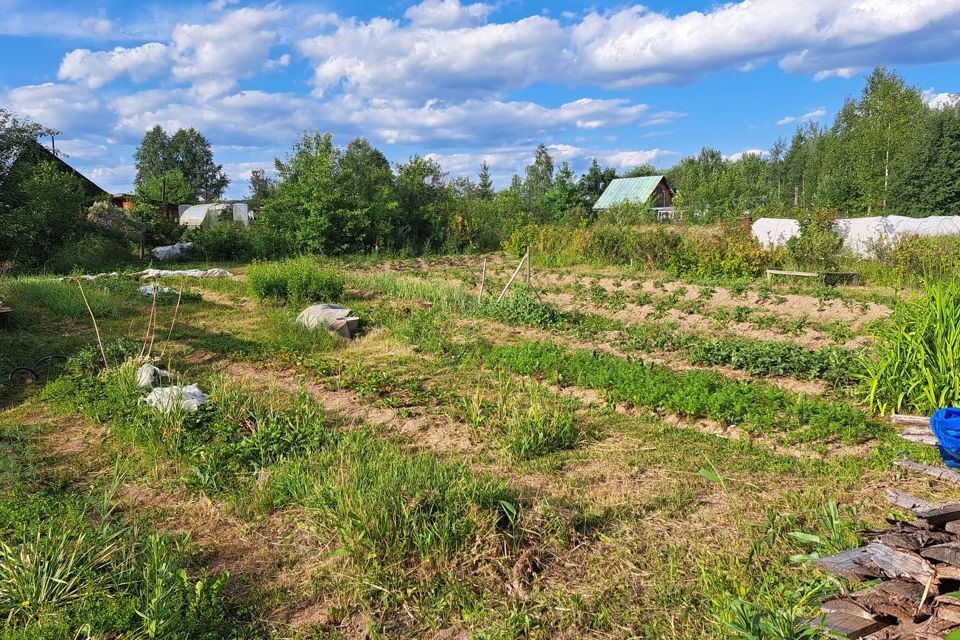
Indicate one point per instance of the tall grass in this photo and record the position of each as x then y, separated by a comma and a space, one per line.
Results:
914, 366
297, 280
62, 299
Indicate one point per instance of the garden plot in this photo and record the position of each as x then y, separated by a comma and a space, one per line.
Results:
556, 513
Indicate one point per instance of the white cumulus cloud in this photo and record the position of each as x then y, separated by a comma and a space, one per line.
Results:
809, 116
97, 68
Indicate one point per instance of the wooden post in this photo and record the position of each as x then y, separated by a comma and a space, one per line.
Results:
514, 276
528, 266
483, 279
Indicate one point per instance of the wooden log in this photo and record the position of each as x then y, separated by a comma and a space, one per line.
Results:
910, 421
940, 473
948, 612
953, 527
921, 438
906, 501
846, 564
899, 599
850, 626
947, 572
905, 535
948, 552
896, 563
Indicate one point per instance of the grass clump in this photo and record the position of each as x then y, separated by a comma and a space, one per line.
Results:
297, 280
521, 307
531, 421
70, 567
915, 366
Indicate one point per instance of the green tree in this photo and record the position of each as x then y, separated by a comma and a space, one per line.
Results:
593, 183
152, 156
484, 182
537, 184
365, 184
300, 212
424, 201
261, 186
187, 151
887, 117
190, 152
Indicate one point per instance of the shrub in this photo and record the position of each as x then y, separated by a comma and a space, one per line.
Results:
297, 280
520, 307
91, 254
818, 246
226, 241
930, 259
730, 254
915, 365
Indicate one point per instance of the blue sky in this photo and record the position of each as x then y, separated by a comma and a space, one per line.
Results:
461, 81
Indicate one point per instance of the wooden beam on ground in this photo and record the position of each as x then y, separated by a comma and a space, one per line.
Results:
847, 564
920, 435
910, 421
896, 563
906, 501
940, 473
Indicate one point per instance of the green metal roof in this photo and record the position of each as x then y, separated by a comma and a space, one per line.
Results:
636, 190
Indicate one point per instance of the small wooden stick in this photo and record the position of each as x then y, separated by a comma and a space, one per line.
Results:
150, 319
926, 592
528, 266
483, 279
96, 329
513, 277
172, 322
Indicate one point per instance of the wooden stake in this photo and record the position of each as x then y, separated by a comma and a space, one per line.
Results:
528, 266
513, 277
483, 279
172, 322
96, 329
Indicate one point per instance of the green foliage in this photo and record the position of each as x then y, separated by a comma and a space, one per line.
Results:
758, 409
915, 365
221, 242
818, 246
185, 160
520, 306
297, 280
91, 254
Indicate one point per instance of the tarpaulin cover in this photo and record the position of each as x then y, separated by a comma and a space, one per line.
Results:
945, 424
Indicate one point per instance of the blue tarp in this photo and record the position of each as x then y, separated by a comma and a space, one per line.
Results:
945, 424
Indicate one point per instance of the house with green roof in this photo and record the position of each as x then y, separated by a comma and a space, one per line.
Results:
646, 189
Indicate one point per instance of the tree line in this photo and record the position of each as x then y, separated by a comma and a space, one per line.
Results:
886, 151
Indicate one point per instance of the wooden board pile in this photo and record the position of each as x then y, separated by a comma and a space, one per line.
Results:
918, 565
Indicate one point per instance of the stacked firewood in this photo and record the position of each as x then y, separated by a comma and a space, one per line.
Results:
918, 565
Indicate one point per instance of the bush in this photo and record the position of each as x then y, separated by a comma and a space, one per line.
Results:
520, 307
91, 254
225, 241
818, 246
916, 362
731, 254
929, 259
297, 280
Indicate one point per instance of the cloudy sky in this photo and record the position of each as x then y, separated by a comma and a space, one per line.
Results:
460, 81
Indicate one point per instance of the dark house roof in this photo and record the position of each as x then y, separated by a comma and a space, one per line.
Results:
36, 152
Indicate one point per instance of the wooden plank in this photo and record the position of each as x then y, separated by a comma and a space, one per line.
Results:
921, 438
5, 310
853, 627
940, 473
949, 612
948, 552
910, 421
896, 563
952, 526
905, 535
898, 598
799, 274
846, 565
905, 500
